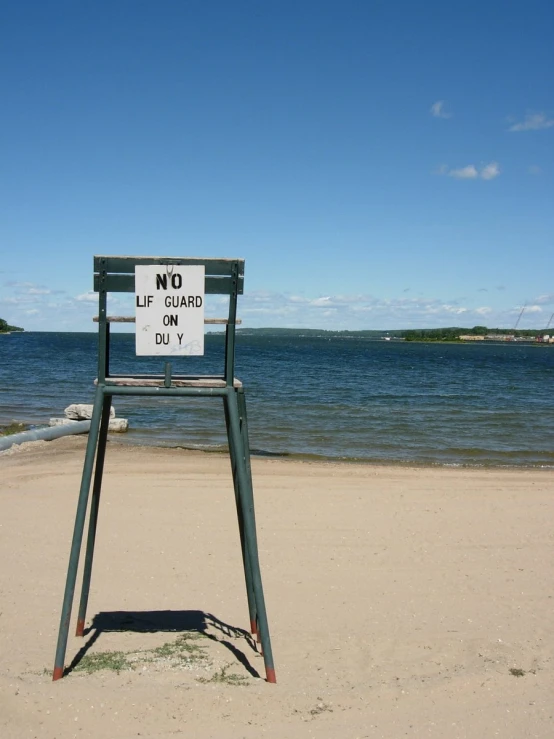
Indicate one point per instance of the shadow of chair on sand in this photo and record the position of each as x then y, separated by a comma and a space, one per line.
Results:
151, 622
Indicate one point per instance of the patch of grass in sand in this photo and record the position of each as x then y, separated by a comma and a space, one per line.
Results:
179, 653
13, 428
181, 650
115, 661
517, 672
228, 678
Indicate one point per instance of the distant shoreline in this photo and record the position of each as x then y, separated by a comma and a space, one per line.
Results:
395, 336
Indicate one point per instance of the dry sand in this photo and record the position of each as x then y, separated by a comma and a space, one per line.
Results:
400, 600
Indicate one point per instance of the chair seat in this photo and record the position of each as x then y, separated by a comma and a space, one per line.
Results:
176, 381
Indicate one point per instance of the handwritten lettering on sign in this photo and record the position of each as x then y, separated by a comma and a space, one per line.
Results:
169, 305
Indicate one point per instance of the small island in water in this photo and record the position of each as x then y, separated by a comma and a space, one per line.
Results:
5, 327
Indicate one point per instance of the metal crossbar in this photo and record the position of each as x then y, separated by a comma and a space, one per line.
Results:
117, 274
213, 286
223, 276
132, 319
126, 265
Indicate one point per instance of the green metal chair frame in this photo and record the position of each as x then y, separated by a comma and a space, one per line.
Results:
222, 277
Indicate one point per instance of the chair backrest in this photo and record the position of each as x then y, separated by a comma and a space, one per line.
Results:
116, 274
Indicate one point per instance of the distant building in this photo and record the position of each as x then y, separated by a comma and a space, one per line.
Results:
471, 337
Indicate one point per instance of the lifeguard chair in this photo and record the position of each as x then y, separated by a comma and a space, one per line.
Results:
170, 322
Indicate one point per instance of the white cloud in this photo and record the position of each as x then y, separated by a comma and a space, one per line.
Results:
490, 171
437, 110
533, 169
299, 309
296, 310
340, 312
533, 122
470, 171
464, 173
89, 297
28, 288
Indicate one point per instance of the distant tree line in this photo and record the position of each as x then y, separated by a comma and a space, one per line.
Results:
314, 332
6, 328
453, 333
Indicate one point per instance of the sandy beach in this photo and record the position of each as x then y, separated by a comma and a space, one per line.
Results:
402, 601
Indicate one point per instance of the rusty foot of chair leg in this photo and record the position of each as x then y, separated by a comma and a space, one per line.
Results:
57, 674
270, 675
253, 627
80, 630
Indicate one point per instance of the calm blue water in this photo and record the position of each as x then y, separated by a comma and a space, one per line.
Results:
338, 398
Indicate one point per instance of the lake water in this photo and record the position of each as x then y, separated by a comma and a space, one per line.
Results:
376, 401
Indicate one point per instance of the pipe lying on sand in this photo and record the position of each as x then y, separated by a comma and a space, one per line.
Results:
45, 434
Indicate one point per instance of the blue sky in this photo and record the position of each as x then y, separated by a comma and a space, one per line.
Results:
379, 164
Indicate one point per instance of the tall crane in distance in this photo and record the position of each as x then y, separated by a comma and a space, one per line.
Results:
519, 317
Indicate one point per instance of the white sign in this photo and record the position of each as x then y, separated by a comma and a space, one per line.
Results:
169, 303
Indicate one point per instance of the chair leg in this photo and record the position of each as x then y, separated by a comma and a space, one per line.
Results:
93, 519
241, 399
78, 535
246, 499
245, 555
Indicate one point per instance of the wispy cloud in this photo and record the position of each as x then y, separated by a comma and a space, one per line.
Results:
437, 110
361, 311
28, 288
533, 122
298, 310
39, 307
470, 171
465, 173
21, 285
89, 297
534, 169
490, 171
